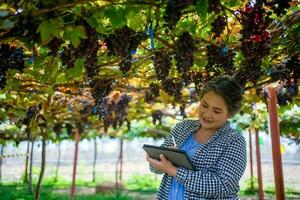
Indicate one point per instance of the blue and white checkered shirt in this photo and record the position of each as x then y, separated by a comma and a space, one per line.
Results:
220, 164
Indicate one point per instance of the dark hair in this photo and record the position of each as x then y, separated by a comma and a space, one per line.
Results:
228, 88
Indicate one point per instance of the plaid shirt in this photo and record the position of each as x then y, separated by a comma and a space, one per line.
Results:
220, 164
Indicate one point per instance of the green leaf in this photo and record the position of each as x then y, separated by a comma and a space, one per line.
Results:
77, 72
234, 3
97, 22
3, 96
135, 19
51, 70
50, 91
117, 16
5, 13
74, 34
50, 29
201, 8
15, 84
61, 78
6, 24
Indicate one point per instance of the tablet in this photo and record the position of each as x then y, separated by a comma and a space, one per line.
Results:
176, 156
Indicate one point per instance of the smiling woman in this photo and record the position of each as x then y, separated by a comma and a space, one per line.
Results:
217, 151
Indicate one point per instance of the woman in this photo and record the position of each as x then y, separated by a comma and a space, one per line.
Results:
217, 151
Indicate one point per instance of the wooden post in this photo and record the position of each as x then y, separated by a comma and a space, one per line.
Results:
95, 159
26, 162
258, 162
43, 165
275, 136
1, 154
251, 160
121, 160
75, 163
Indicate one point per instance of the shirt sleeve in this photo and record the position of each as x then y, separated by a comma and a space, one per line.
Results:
223, 179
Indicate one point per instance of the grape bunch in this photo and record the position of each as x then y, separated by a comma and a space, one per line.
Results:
255, 20
114, 112
279, 6
279, 72
162, 64
157, 116
255, 50
152, 93
218, 59
218, 26
287, 93
122, 42
293, 64
87, 49
25, 28
2, 80
173, 87
184, 54
250, 72
69, 128
57, 129
174, 9
100, 89
31, 114
214, 6
121, 109
54, 45
10, 58
197, 78
255, 42
90, 47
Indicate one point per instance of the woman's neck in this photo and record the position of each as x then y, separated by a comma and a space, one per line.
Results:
203, 135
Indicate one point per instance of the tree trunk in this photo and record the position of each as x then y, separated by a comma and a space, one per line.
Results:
95, 159
1, 154
30, 167
121, 160
118, 173
275, 138
251, 161
43, 164
26, 162
258, 161
77, 136
58, 161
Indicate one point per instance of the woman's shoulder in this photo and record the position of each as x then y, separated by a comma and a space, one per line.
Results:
233, 134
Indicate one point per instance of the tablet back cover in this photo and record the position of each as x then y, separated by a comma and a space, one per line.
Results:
177, 157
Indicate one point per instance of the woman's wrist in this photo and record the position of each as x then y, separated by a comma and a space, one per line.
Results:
172, 171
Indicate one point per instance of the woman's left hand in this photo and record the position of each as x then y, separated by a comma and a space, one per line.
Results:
163, 165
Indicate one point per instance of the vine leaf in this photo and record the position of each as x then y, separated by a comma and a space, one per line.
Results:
77, 71
6, 24
50, 29
74, 34
116, 16
201, 8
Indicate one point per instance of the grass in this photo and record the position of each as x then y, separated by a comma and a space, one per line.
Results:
139, 184
20, 192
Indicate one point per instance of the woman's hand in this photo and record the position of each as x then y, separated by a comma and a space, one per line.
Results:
163, 165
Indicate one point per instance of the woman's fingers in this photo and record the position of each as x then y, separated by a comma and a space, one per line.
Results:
162, 158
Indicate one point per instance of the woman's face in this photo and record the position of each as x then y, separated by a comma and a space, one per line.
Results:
213, 111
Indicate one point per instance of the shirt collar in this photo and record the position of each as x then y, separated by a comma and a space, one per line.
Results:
223, 129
